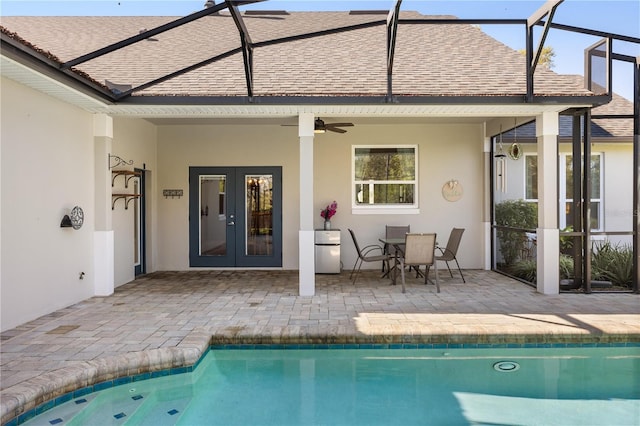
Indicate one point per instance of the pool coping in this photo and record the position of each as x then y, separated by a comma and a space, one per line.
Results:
33, 396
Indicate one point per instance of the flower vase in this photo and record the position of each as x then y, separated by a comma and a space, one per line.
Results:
327, 225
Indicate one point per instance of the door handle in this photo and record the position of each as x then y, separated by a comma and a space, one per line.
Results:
230, 223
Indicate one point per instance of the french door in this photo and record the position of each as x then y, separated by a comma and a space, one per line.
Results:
235, 216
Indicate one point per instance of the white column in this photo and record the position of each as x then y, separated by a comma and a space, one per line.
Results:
486, 205
548, 245
103, 240
306, 254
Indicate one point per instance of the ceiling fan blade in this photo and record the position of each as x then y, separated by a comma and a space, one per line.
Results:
340, 124
335, 129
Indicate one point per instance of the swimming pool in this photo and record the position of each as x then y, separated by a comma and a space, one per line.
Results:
446, 386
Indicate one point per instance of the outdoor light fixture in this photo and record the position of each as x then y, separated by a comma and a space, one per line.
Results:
66, 222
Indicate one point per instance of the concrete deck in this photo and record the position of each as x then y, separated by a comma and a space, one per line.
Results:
168, 319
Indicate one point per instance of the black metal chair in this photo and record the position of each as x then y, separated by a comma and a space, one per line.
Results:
450, 252
365, 256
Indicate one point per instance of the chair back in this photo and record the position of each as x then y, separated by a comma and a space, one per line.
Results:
419, 249
393, 231
454, 242
355, 242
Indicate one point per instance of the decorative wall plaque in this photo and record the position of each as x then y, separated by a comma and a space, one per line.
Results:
452, 190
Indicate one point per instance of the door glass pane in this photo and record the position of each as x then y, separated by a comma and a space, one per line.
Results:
259, 220
213, 223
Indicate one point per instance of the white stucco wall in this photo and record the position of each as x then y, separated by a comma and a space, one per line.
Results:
180, 147
133, 140
446, 152
47, 169
618, 188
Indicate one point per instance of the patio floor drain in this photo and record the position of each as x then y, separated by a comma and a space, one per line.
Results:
63, 329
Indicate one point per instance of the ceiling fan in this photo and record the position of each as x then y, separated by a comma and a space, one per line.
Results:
321, 127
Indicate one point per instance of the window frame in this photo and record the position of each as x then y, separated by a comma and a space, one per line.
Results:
413, 208
562, 192
562, 195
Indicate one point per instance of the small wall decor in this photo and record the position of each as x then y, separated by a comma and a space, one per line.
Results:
74, 220
501, 166
515, 152
166, 193
452, 190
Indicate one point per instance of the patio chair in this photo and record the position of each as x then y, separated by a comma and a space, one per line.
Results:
393, 231
450, 252
419, 250
364, 255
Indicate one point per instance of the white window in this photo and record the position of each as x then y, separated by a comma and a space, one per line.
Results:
566, 189
385, 179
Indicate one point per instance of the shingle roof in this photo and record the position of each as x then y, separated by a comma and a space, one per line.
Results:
601, 128
430, 60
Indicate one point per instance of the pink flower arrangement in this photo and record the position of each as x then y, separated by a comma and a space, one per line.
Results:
328, 212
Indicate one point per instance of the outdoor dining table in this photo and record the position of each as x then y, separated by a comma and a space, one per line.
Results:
396, 243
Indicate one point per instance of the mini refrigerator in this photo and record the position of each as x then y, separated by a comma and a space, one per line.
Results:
327, 251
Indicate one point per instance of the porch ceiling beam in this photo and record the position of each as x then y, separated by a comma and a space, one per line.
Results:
392, 32
247, 45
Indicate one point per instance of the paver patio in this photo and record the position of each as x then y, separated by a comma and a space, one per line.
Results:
168, 319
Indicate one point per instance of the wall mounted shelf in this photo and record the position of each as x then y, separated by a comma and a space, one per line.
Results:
128, 175
126, 197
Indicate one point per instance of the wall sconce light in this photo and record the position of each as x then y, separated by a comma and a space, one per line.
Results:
74, 220
66, 222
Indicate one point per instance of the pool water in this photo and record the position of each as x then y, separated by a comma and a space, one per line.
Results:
533, 386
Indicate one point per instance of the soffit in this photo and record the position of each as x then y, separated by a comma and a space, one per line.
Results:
50, 86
